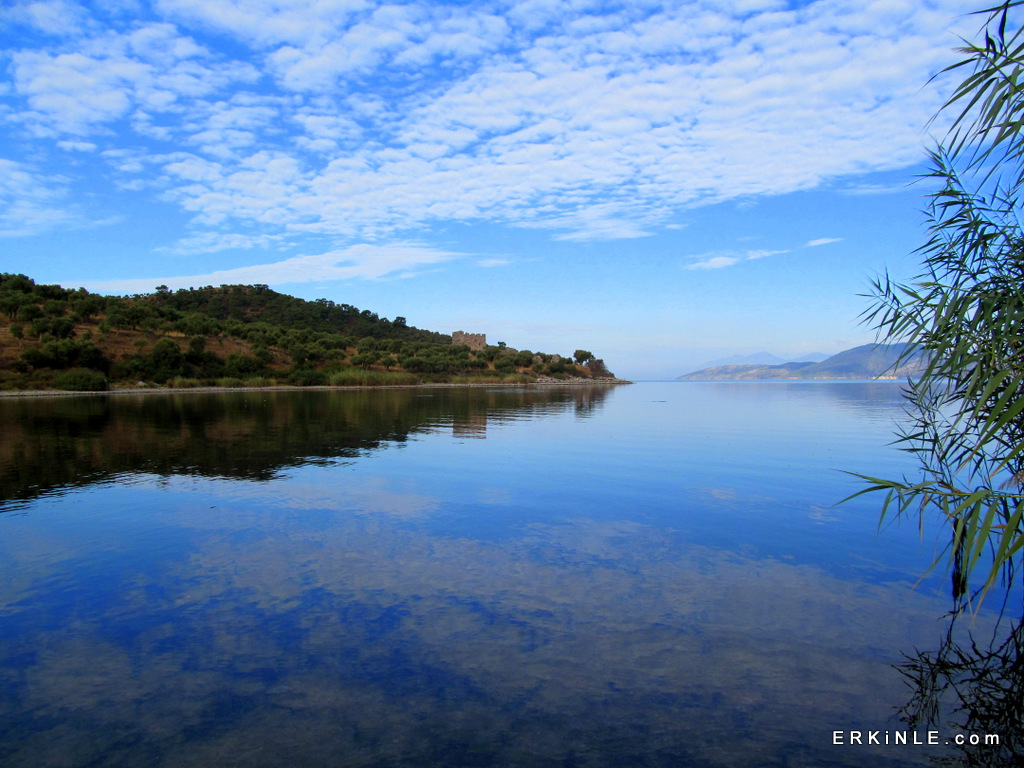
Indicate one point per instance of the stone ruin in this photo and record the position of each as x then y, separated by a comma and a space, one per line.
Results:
475, 341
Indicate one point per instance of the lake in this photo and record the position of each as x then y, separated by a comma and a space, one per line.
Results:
646, 575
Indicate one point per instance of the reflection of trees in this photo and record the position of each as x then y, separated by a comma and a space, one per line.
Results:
65, 441
972, 687
589, 400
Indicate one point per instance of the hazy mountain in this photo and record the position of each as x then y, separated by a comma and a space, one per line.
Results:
761, 358
870, 361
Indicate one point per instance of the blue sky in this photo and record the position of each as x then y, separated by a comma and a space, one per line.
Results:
661, 183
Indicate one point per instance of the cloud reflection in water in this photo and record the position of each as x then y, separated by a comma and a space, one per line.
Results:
422, 607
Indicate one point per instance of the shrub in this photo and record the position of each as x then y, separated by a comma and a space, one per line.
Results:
196, 346
81, 380
356, 377
243, 366
29, 312
307, 377
166, 361
66, 354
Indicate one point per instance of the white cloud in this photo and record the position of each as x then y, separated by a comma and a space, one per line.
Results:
754, 255
77, 146
151, 69
714, 262
393, 37
212, 242
54, 17
357, 119
721, 260
29, 202
73, 92
266, 22
822, 241
597, 222
874, 189
364, 261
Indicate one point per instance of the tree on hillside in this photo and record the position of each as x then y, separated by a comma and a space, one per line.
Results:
965, 311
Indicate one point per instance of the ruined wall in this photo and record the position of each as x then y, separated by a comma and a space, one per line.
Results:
475, 341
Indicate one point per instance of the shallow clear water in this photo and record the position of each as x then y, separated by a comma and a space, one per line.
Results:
654, 574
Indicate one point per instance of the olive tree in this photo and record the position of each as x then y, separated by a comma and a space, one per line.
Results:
965, 311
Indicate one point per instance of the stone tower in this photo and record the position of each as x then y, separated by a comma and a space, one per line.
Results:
475, 341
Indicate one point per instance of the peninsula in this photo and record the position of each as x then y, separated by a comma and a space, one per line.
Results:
53, 337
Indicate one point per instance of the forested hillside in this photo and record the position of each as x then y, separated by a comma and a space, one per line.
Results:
235, 335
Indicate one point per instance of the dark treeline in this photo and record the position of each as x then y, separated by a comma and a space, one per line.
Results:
234, 335
259, 304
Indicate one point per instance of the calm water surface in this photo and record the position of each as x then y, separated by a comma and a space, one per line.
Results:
649, 575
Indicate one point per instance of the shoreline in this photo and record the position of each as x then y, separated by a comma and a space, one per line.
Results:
159, 390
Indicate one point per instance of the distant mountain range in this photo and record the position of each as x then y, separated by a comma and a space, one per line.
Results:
870, 361
762, 358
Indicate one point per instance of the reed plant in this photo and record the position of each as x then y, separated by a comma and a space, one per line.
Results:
965, 312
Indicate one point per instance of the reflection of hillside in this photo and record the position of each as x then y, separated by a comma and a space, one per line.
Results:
473, 427
860, 397
54, 442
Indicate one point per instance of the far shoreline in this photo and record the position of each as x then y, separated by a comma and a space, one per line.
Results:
161, 390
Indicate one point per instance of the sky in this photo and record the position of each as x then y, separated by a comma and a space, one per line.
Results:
661, 183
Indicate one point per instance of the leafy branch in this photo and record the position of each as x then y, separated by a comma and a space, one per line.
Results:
965, 312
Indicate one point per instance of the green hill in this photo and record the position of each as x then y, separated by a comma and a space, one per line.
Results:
259, 304
234, 335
